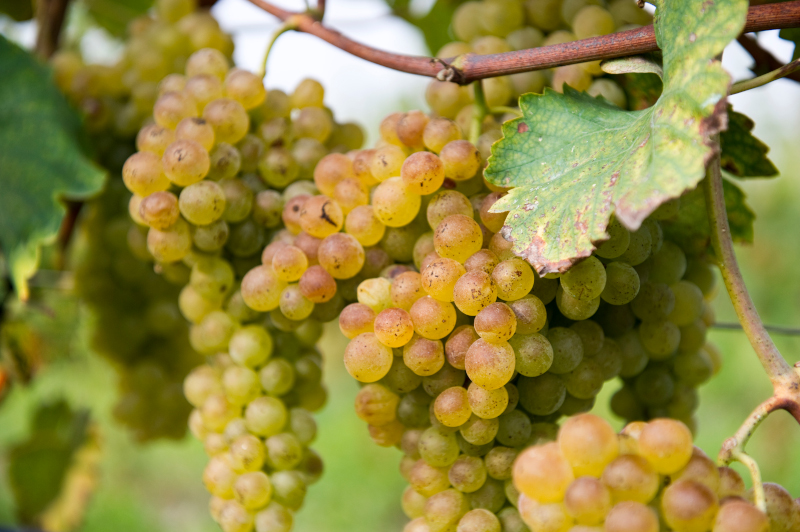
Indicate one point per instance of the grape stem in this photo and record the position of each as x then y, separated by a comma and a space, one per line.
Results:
785, 379
479, 112
764, 60
503, 109
471, 67
774, 329
50, 15
769, 77
289, 24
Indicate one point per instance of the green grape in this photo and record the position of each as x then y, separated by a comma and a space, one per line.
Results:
514, 429
575, 309
154, 138
625, 404
461, 160
277, 377
478, 431
622, 284
631, 515
511, 521
738, 515
440, 276
482, 260
438, 448
618, 236
400, 378
513, 278
196, 129
172, 107
654, 386
567, 349
294, 305
666, 444
284, 451
585, 280
422, 173
240, 384
246, 451
589, 443
313, 122
376, 404
655, 301
265, 416
611, 92
586, 380
387, 162
479, 520
781, 511
660, 338
443, 379
393, 327
591, 334
496, 323
693, 368
688, 303
261, 289
200, 384
211, 237
207, 61
473, 291
143, 174
592, 21
224, 162
533, 354
441, 131
541, 395
544, 14
238, 200
639, 248
491, 496
289, 490
458, 237
375, 293
252, 490
444, 203
609, 359
244, 87
669, 264
278, 167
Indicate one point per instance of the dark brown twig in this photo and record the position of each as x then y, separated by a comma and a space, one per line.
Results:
50, 16
471, 67
764, 60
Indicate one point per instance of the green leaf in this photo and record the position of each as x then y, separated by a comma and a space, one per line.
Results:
576, 160
433, 24
691, 227
637, 64
40, 161
793, 35
19, 10
743, 155
115, 15
37, 466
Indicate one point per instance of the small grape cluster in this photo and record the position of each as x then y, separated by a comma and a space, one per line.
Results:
205, 183
647, 478
138, 326
497, 26
468, 355
116, 99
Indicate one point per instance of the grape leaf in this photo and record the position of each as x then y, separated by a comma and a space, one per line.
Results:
575, 160
114, 15
432, 24
691, 226
19, 10
793, 35
743, 155
41, 160
37, 466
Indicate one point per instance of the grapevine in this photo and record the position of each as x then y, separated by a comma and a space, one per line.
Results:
556, 220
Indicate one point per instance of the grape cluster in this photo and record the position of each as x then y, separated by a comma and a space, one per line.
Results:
205, 183
647, 478
497, 26
465, 352
117, 99
137, 324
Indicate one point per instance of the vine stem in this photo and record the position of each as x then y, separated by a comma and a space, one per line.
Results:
471, 67
763, 59
479, 113
289, 24
769, 77
50, 17
785, 379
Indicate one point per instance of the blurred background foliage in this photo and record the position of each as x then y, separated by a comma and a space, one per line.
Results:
157, 487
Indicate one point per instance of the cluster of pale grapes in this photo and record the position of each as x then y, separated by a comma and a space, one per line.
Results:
467, 355
134, 308
497, 26
205, 183
117, 99
137, 325
647, 478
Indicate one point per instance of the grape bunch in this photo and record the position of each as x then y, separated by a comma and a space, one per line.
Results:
647, 478
219, 171
497, 26
137, 325
465, 353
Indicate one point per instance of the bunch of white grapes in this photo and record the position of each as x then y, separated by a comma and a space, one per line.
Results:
467, 355
647, 478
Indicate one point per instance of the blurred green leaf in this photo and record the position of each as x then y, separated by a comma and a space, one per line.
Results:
41, 160
691, 226
19, 10
574, 160
793, 35
743, 155
37, 466
434, 24
115, 15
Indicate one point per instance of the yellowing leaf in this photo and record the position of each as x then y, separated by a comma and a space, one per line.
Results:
575, 160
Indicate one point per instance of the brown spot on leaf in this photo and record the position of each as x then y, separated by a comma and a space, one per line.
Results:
522, 127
